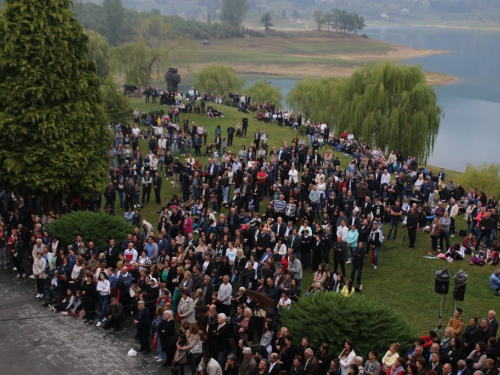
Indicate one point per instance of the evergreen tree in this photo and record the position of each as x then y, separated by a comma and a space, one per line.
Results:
99, 228
332, 318
116, 105
54, 132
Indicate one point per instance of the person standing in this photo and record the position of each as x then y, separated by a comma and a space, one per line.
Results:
358, 258
245, 126
339, 255
375, 240
445, 222
396, 213
157, 187
225, 293
39, 265
142, 320
230, 135
147, 181
411, 226
18, 255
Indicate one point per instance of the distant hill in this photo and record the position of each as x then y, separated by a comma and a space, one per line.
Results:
390, 11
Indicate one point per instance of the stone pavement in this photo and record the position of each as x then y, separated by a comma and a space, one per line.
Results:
33, 340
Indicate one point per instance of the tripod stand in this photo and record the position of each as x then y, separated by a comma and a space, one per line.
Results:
439, 328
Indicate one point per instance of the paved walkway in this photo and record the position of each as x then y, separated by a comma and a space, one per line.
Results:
33, 340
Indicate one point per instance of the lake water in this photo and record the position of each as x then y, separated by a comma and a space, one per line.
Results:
470, 130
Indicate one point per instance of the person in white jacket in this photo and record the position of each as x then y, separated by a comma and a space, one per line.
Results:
452, 210
346, 358
293, 175
103, 288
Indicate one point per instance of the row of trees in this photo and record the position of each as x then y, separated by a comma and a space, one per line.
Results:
339, 20
222, 79
388, 105
110, 17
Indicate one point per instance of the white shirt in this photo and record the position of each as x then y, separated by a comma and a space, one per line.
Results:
342, 232
385, 178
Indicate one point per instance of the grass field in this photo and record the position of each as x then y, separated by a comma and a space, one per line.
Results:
404, 281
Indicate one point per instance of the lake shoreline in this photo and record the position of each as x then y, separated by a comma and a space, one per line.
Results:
438, 26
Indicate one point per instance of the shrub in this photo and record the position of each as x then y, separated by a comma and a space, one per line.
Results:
99, 228
333, 318
483, 177
154, 111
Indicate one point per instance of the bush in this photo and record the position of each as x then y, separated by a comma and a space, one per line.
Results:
129, 87
154, 111
333, 318
484, 177
99, 228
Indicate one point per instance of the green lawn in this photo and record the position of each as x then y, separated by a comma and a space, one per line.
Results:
404, 280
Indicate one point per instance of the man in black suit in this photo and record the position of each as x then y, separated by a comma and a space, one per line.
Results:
351, 183
208, 288
211, 170
447, 369
233, 220
435, 364
263, 242
366, 208
462, 368
294, 242
112, 253
274, 367
282, 155
279, 227
157, 187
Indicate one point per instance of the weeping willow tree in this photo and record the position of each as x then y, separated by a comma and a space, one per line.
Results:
317, 100
262, 90
391, 106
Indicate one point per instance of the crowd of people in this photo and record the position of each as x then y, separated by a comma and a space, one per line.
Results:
202, 271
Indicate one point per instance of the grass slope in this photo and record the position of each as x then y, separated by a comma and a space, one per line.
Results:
404, 280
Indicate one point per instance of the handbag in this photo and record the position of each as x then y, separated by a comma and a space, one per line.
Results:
63, 278
197, 348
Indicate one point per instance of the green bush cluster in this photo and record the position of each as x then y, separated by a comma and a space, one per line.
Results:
99, 228
332, 318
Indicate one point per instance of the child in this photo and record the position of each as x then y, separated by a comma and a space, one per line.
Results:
224, 145
180, 357
213, 200
137, 193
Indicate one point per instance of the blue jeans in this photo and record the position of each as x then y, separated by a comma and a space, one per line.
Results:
375, 255
316, 209
395, 225
103, 300
311, 139
446, 236
174, 148
122, 199
351, 250
225, 193
353, 273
